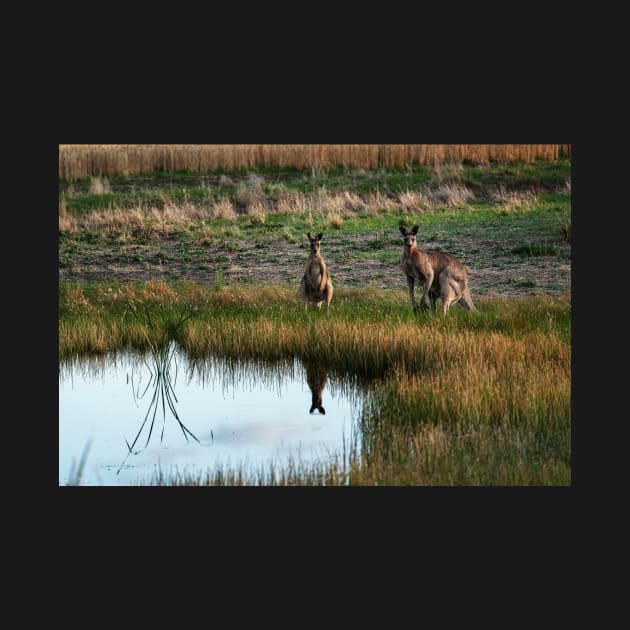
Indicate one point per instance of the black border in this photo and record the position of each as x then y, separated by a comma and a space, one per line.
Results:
261, 520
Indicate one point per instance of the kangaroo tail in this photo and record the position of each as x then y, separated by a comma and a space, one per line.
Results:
467, 301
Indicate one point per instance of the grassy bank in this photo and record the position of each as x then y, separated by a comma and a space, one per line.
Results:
459, 400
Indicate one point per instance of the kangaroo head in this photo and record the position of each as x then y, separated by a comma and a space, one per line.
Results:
410, 236
315, 242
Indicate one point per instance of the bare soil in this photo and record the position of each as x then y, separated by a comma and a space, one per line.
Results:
353, 260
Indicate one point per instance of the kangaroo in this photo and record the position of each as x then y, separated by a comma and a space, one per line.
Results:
316, 377
442, 275
316, 286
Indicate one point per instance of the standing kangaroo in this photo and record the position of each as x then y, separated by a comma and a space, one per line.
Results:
316, 286
316, 377
442, 275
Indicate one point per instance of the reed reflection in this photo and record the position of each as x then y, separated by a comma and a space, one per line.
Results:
161, 386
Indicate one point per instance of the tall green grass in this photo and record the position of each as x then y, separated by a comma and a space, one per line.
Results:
364, 326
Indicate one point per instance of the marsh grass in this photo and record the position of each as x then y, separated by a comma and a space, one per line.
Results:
452, 400
333, 470
364, 324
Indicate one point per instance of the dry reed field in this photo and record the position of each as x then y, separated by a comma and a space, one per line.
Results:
84, 160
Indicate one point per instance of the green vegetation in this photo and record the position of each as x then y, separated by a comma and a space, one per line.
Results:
159, 189
458, 400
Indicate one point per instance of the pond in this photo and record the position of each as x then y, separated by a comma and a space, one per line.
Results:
135, 415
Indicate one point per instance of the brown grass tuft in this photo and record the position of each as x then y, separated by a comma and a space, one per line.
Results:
514, 200
223, 209
257, 213
335, 221
99, 186
451, 195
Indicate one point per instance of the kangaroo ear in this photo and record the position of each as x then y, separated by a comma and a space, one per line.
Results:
319, 236
311, 409
403, 231
310, 238
322, 410
414, 230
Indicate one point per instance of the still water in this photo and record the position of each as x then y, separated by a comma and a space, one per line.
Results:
137, 414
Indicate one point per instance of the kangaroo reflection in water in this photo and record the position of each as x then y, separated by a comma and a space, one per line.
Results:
316, 376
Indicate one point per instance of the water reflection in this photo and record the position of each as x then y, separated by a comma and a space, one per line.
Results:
316, 377
161, 384
167, 411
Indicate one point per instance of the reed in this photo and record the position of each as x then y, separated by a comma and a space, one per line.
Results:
160, 385
78, 161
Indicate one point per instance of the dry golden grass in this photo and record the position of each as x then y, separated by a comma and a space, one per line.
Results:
335, 221
223, 209
515, 200
452, 194
448, 172
257, 213
99, 186
249, 193
142, 220
99, 160
414, 201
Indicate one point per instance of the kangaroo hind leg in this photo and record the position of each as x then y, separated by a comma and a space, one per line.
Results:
448, 291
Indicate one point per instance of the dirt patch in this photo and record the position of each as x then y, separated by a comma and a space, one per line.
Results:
353, 260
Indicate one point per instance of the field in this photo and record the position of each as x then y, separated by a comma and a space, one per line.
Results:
215, 259
510, 225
